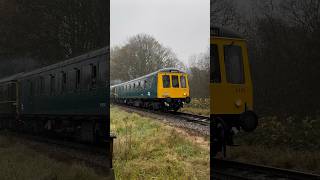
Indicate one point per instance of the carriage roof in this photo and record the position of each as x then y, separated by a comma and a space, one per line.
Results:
151, 74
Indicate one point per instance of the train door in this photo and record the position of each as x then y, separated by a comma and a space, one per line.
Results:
230, 82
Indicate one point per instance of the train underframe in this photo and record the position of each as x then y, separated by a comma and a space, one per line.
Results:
224, 127
84, 128
163, 104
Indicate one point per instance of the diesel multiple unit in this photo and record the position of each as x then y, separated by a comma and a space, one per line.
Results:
231, 96
165, 89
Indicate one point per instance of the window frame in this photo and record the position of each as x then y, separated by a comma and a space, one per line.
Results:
52, 84
185, 81
215, 73
77, 78
178, 82
241, 65
169, 83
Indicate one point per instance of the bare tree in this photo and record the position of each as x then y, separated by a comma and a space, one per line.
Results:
305, 14
199, 71
222, 13
142, 54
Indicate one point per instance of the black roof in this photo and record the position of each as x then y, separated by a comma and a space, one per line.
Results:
224, 32
73, 60
10, 78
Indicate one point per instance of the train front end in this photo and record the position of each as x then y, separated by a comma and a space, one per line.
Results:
173, 89
231, 94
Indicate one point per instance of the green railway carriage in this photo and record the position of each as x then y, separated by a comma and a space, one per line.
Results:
72, 93
164, 89
70, 98
8, 100
143, 87
75, 87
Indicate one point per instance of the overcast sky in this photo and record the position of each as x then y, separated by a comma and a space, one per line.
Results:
182, 25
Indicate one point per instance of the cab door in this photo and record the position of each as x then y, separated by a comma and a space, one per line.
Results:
230, 82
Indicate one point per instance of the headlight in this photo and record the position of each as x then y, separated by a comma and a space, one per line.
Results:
238, 103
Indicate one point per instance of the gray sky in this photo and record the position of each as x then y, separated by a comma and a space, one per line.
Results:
182, 25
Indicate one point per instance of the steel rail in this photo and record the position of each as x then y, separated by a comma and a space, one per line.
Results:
227, 169
197, 119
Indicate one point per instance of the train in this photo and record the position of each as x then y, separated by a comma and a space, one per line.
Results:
69, 98
166, 89
231, 89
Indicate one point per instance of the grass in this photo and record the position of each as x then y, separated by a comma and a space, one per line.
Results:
148, 149
281, 157
291, 142
198, 106
19, 162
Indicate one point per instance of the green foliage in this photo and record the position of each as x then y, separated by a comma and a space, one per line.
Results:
146, 149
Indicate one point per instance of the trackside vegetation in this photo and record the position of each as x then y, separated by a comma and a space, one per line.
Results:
198, 106
20, 162
290, 142
286, 142
148, 149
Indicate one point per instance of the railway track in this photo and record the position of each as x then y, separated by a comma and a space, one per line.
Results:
226, 169
203, 120
194, 123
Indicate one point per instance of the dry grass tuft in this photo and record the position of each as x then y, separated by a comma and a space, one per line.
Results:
146, 149
198, 106
19, 162
278, 157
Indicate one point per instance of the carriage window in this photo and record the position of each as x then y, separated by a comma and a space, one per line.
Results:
93, 75
52, 84
77, 78
183, 82
63, 81
30, 86
5, 92
166, 81
234, 64
175, 82
145, 84
215, 74
42, 88
1, 93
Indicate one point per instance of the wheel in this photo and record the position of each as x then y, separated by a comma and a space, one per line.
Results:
221, 136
